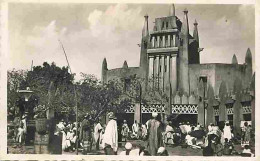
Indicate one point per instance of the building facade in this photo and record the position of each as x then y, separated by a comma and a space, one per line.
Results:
170, 54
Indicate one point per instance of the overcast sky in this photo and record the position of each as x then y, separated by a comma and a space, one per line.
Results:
90, 32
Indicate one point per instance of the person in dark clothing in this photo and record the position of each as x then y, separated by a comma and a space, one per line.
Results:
85, 134
208, 150
228, 147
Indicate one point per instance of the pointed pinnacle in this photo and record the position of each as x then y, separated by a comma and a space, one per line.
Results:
185, 11
195, 23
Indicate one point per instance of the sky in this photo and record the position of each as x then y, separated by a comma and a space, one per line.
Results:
92, 32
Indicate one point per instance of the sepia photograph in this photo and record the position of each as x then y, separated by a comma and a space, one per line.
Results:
131, 79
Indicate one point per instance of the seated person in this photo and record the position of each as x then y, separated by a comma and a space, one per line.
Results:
162, 152
228, 147
128, 148
247, 152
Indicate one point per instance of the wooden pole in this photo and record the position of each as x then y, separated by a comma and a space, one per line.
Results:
75, 94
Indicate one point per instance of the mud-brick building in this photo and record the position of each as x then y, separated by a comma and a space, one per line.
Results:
206, 93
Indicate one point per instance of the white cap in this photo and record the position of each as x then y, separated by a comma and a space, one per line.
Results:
128, 146
154, 114
161, 150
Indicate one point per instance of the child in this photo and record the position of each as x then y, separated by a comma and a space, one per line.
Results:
20, 134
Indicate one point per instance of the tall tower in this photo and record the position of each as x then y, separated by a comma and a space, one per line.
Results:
183, 57
144, 67
194, 50
195, 32
162, 52
104, 71
248, 63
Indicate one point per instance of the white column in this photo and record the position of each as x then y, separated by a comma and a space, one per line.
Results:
158, 42
153, 42
169, 40
162, 74
173, 74
150, 67
158, 71
173, 40
165, 76
163, 42
154, 67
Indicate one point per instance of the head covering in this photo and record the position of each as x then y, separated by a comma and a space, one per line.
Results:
161, 150
154, 114
24, 115
111, 115
124, 121
128, 146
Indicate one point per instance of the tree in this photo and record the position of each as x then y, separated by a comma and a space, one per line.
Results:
14, 80
97, 99
52, 86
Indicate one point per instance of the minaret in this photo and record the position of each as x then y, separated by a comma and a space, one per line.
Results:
248, 58
183, 72
234, 59
248, 63
125, 65
144, 67
172, 10
195, 32
104, 71
173, 17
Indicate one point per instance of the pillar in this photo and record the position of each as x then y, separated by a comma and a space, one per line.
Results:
174, 74
158, 72
137, 114
210, 109
153, 42
237, 107
169, 40
173, 41
167, 72
150, 67
162, 73
158, 42
201, 114
163, 41
222, 98
154, 70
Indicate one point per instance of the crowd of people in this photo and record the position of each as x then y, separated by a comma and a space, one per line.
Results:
213, 140
91, 134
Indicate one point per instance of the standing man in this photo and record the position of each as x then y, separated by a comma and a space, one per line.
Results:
227, 131
85, 133
111, 136
125, 131
24, 123
97, 133
154, 134
135, 128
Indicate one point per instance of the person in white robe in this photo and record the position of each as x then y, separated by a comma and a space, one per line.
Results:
227, 131
110, 138
135, 128
65, 141
97, 134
